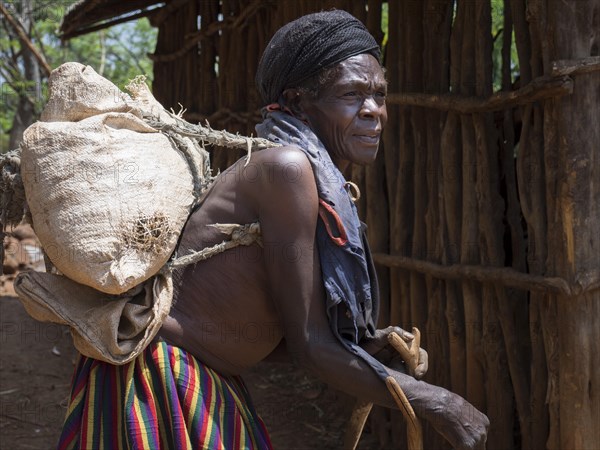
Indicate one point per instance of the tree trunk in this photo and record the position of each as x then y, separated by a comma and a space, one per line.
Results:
26, 113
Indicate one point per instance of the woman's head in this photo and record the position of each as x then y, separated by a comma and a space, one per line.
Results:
307, 47
324, 69
347, 112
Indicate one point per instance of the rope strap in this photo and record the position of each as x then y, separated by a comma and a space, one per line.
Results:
247, 234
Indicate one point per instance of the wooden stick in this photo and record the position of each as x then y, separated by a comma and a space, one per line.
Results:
413, 425
410, 354
356, 424
539, 89
503, 275
575, 66
107, 24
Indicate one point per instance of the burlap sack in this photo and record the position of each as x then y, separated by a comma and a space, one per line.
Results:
108, 194
114, 329
77, 92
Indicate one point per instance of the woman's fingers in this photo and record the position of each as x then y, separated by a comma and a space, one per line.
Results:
380, 340
423, 365
405, 335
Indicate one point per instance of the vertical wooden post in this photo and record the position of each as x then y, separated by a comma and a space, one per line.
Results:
573, 157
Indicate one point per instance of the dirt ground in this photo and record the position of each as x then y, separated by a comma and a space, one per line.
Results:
36, 363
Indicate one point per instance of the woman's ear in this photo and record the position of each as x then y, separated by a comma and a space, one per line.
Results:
292, 101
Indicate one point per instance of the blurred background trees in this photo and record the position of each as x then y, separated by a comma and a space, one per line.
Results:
30, 27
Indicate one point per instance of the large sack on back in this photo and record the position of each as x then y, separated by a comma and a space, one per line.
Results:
108, 197
78, 91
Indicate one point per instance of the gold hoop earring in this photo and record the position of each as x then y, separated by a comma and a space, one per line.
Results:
356, 191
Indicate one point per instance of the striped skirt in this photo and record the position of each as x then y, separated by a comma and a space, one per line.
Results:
164, 399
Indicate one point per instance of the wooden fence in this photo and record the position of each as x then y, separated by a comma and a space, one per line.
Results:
484, 207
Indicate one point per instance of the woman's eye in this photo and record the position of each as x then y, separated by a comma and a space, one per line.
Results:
350, 94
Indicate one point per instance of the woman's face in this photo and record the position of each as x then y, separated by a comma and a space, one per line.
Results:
350, 113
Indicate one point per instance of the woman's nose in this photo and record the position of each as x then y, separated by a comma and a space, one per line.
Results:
370, 109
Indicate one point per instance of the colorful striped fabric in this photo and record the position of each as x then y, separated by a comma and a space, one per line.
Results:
164, 399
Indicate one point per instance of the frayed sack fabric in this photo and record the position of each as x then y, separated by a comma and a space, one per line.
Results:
108, 194
114, 329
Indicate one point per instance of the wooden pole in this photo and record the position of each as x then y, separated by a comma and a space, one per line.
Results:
539, 89
572, 153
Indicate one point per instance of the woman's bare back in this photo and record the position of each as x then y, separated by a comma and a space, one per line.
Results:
223, 312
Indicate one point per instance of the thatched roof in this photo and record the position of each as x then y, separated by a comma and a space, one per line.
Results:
86, 16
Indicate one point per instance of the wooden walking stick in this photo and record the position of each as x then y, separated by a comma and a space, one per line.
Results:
410, 355
357, 421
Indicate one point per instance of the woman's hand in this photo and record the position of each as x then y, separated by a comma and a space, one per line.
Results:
379, 346
463, 426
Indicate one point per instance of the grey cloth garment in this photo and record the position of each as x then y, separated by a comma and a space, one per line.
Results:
348, 275
307, 45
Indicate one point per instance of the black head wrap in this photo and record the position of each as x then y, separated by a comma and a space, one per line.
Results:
300, 49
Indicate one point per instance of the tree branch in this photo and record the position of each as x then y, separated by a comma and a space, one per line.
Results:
25, 39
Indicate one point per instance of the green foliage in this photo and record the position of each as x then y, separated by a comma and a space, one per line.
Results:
385, 15
498, 36
118, 53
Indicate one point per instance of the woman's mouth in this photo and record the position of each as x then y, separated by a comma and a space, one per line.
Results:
368, 138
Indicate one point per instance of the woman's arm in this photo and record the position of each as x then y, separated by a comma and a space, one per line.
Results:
288, 206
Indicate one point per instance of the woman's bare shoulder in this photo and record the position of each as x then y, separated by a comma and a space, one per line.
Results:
275, 170
289, 154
